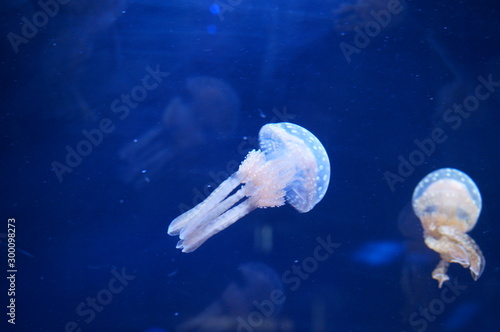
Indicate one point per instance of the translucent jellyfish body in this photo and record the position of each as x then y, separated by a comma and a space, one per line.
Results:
448, 204
291, 165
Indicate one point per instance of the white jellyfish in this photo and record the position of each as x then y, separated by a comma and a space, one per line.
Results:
291, 165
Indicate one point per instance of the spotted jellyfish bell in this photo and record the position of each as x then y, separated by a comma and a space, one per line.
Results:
448, 204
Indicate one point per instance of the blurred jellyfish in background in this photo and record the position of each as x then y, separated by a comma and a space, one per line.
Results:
463, 105
349, 17
81, 56
243, 299
205, 111
453, 92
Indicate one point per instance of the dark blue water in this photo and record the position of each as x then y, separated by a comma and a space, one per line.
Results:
118, 117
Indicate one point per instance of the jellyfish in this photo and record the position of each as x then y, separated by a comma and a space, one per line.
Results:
448, 204
69, 63
290, 165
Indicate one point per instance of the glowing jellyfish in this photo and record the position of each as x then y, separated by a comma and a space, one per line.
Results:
448, 204
291, 164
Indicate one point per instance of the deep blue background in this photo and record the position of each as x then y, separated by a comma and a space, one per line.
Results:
275, 55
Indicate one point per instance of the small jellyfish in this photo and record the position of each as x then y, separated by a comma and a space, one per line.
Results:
291, 164
448, 204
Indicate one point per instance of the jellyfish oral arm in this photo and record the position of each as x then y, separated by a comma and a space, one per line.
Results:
455, 247
440, 273
450, 252
199, 211
191, 238
474, 257
209, 217
263, 186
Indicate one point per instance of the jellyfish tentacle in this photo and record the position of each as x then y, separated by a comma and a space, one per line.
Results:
440, 273
449, 250
196, 239
208, 219
199, 211
475, 261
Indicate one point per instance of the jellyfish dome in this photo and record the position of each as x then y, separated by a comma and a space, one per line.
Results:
312, 176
